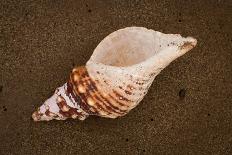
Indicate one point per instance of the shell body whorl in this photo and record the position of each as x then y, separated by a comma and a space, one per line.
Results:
117, 76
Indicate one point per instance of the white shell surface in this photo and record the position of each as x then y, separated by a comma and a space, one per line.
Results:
134, 56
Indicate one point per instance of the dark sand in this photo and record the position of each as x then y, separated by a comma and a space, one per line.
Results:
41, 41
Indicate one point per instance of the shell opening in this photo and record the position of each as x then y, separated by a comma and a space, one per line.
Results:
133, 45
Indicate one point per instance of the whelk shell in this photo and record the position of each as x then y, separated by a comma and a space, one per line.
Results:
117, 76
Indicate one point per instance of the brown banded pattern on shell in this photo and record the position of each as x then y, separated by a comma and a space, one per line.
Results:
67, 111
94, 99
126, 88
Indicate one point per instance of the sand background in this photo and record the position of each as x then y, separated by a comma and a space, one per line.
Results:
40, 42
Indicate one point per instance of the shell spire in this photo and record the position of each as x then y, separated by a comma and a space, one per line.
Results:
117, 76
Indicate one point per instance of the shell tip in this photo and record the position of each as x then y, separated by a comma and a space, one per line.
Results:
35, 116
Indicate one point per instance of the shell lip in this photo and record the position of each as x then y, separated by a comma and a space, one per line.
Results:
192, 42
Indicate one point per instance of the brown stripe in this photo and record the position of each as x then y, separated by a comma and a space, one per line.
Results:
73, 111
68, 113
61, 104
84, 73
117, 100
47, 113
92, 87
120, 96
83, 104
87, 94
70, 91
65, 114
112, 104
109, 105
99, 106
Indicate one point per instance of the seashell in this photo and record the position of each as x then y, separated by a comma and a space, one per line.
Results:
117, 76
